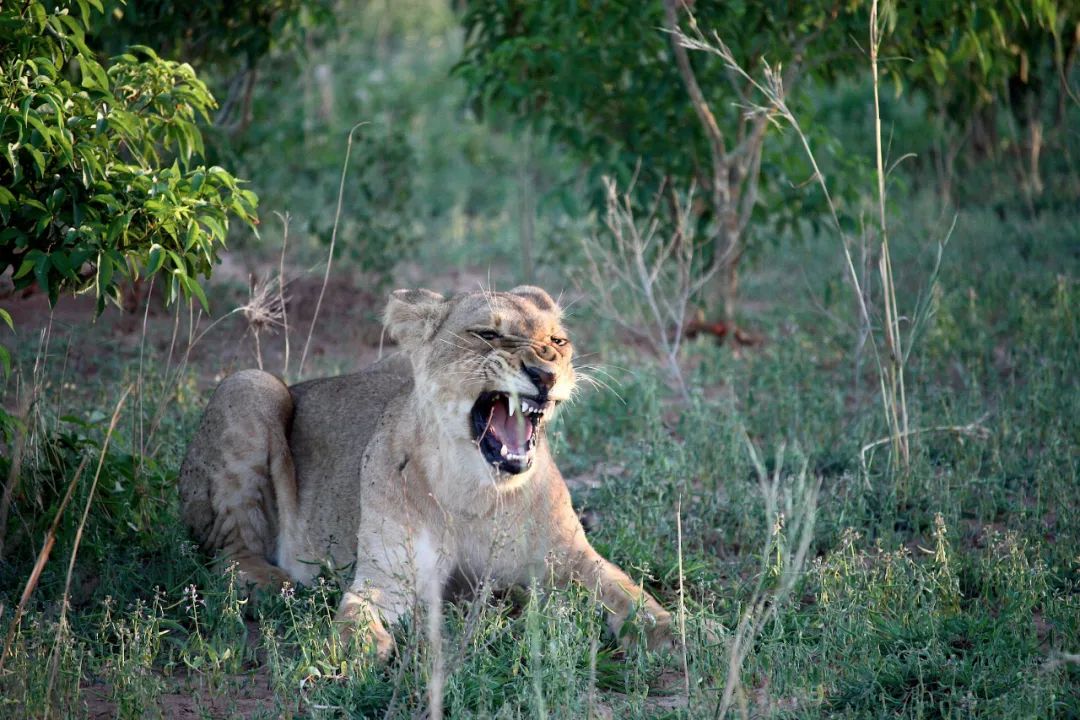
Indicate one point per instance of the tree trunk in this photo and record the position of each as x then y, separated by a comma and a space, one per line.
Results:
731, 290
731, 249
1035, 140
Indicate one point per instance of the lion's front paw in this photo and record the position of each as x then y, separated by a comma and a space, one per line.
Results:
384, 644
372, 639
356, 615
651, 624
659, 634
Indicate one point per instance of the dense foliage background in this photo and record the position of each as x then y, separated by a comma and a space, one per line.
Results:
830, 422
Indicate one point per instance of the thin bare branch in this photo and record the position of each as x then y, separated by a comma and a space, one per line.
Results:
65, 601
285, 218
39, 564
333, 242
648, 273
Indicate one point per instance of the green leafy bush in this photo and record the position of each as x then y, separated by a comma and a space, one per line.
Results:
969, 56
229, 30
99, 179
612, 84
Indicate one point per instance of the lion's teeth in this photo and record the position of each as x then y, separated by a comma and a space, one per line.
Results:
511, 404
504, 451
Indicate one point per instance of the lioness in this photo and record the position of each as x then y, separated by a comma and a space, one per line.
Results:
429, 466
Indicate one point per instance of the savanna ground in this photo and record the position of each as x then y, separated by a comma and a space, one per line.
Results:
946, 587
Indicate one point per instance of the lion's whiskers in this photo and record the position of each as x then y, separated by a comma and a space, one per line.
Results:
595, 382
453, 344
465, 340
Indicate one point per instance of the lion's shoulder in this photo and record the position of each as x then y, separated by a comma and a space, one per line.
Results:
334, 418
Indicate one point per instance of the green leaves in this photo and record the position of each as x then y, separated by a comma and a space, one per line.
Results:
964, 55
99, 173
219, 32
601, 79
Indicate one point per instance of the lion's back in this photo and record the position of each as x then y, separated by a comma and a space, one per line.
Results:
334, 420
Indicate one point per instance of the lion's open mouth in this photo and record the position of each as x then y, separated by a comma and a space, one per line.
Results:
506, 429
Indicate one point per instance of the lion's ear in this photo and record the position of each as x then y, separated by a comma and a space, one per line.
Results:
538, 297
412, 316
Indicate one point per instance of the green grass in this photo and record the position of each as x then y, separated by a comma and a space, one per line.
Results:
946, 590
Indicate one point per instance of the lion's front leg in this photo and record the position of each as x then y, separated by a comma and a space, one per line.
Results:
395, 566
621, 597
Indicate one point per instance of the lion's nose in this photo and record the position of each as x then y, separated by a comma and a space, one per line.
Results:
543, 379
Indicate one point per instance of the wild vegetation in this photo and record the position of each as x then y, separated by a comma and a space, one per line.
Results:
101, 166
858, 487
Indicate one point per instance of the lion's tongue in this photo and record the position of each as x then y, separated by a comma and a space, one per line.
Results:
514, 432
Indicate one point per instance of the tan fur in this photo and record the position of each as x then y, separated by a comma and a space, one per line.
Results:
379, 471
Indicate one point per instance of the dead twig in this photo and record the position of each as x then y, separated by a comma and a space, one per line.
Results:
14, 472
790, 514
27, 413
39, 564
682, 601
65, 600
285, 218
264, 310
645, 278
974, 429
333, 242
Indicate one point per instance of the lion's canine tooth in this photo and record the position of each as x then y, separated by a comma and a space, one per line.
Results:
511, 404
504, 451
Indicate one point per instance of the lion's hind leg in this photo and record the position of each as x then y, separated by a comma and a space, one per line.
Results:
237, 482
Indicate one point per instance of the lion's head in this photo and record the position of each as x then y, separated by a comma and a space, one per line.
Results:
492, 366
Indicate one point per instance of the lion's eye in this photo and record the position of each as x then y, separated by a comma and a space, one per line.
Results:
558, 341
488, 335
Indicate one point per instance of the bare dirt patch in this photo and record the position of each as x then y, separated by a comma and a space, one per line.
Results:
346, 336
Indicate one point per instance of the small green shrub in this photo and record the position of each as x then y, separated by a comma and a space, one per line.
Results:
99, 179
